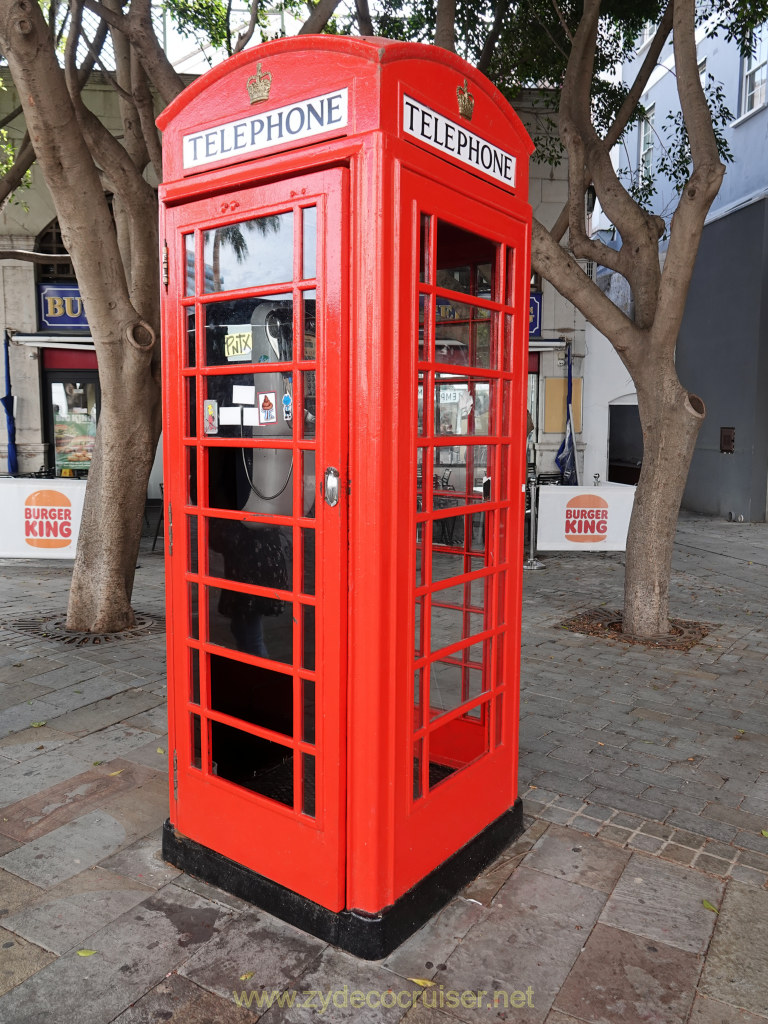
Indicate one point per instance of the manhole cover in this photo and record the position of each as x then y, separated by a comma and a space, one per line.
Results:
56, 629
607, 624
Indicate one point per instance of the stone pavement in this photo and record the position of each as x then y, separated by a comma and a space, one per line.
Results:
637, 893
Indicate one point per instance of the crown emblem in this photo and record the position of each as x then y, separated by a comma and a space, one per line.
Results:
466, 101
259, 85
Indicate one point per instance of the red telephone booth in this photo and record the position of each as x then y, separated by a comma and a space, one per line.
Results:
345, 318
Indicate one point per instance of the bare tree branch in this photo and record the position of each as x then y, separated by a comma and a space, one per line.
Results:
553, 262
704, 183
321, 14
247, 34
364, 21
492, 38
563, 22
632, 98
445, 25
13, 177
146, 111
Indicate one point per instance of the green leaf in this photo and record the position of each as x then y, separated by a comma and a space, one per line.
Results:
247, 975
764, 833
86, 952
708, 906
38, 725
423, 982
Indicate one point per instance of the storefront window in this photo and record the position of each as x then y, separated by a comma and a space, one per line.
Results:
73, 406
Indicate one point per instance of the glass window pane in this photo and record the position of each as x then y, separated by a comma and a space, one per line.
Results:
309, 242
197, 742
193, 611
249, 254
308, 637
249, 405
190, 461
255, 480
252, 623
259, 765
309, 349
465, 261
190, 349
194, 658
191, 407
189, 262
192, 543
499, 728
308, 710
252, 330
418, 699
308, 561
75, 411
418, 641
310, 411
309, 488
253, 693
308, 784
463, 406
260, 555
451, 618
424, 247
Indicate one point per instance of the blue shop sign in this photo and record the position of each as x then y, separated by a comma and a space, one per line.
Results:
534, 320
61, 308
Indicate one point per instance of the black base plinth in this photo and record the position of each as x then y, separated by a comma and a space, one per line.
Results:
369, 936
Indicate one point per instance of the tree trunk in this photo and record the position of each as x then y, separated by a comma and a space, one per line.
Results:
670, 418
110, 531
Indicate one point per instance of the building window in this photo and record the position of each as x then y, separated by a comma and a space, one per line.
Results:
646, 144
702, 69
753, 85
649, 31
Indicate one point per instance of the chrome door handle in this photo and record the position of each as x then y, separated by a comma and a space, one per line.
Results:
331, 486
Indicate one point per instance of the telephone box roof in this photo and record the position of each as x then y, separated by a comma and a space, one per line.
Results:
375, 75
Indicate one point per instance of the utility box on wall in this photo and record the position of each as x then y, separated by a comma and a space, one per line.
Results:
345, 318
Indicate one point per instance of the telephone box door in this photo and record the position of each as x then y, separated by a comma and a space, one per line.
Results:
256, 455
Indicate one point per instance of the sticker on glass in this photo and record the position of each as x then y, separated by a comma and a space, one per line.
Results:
238, 343
211, 416
287, 408
267, 407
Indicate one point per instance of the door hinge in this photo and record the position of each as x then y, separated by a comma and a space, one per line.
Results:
175, 776
165, 264
170, 529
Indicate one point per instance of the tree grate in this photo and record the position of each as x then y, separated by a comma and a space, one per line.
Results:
608, 624
56, 629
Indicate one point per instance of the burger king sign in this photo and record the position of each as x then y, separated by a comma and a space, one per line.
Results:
41, 522
584, 518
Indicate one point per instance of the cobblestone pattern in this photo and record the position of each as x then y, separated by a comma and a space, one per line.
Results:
671, 737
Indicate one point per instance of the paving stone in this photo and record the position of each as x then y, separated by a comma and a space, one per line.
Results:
334, 977
650, 844
484, 888
70, 912
143, 861
21, 746
663, 902
19, 960
735, 967
615, 835
585, 861
434, 942
67, 850
678, 854
132, 954
15, 892
22, 715
706, 827
620, 976
108, 744
19, 781
531, 938
714, 865
273, 952
104, 712
712, 1011
179, 1001
749, 875
31, 818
